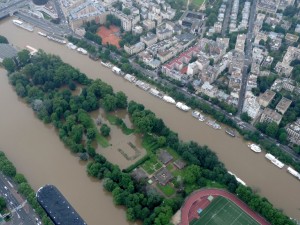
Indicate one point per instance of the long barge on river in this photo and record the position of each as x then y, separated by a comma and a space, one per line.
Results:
275, 161
23, 25
57, 206
56, 39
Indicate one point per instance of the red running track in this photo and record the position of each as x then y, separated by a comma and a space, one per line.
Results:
185, 209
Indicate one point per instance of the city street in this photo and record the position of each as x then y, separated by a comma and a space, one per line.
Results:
247, 60
22, 213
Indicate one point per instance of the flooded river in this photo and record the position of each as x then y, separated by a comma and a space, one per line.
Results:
38, 153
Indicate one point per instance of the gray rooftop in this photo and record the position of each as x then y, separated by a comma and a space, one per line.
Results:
7, 51
164, 157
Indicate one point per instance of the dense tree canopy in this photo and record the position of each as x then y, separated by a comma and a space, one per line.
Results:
9, 65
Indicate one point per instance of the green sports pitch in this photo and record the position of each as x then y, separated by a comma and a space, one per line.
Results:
222, 211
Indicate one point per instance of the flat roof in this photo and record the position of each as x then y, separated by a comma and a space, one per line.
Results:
57, 206
7, 51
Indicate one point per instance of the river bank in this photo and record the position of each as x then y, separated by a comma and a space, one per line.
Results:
253, 169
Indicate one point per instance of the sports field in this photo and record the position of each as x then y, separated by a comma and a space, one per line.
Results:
222, 211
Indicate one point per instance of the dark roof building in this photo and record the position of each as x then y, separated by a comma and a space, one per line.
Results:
179, 164
163, 176
139, 174
7, 51
164, 156
57, 207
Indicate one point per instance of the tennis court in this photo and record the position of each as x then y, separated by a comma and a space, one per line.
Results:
222, 211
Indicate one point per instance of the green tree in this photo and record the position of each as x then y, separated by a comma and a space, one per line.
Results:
91, 133
24, 57
2, 204
105, 130
191, 174
9, 65
109, 103
262, 42
126, 11
245, 117
3, 40
20, 178
272, 129
121, 100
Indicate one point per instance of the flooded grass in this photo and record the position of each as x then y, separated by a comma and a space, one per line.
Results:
102, 140
115, 120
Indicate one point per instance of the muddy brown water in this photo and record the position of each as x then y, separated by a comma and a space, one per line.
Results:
40, 155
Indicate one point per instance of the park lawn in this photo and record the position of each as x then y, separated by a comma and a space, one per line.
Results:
170, 167
222, 211
197, 2
151, 165
168, 190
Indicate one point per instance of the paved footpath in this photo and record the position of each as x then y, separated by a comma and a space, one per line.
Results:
217, 192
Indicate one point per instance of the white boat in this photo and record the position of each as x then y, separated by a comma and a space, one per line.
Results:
230, 132
42, 34
142, 85
275, 161
169, 99
71, 46
182, 106
254, 148
201, 118
155, 92
213, 124
130, 78
18, 22
237, 178
108, 65
116, 70
198, 115
56, 39
82, 51
278, 163
293, 172
23, 25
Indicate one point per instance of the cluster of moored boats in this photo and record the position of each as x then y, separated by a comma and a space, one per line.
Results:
274, 160
146, 87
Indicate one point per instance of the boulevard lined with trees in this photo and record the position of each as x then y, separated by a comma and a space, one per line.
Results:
46, 83
8, 169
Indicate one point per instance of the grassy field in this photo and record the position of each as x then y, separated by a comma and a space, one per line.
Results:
168, 190
224, 212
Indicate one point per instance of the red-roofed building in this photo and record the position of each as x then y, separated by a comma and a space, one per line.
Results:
178, 63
